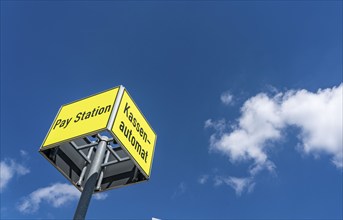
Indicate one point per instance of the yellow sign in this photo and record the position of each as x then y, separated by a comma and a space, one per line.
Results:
134, 133
83, 117
111, 111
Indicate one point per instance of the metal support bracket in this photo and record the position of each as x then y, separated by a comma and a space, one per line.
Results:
104, 163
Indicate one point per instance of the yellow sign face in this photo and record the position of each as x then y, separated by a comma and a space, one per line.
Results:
82, 117
134, 133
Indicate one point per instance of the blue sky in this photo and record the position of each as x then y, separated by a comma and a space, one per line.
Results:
246, 99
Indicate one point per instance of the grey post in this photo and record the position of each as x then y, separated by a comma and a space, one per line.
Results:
91, 179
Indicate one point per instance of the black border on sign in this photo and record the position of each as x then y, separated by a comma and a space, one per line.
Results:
123, 146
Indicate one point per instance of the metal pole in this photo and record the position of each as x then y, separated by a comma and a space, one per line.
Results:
91, 180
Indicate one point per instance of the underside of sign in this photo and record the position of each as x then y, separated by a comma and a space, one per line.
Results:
72, 158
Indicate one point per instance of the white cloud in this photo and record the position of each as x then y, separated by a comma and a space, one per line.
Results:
319, 116
57, 195
259, 124
218, 181
23, 153
181, 189
203, 179
100, 196
264, 120
219, 125
226, 98
9, 169
239, 185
